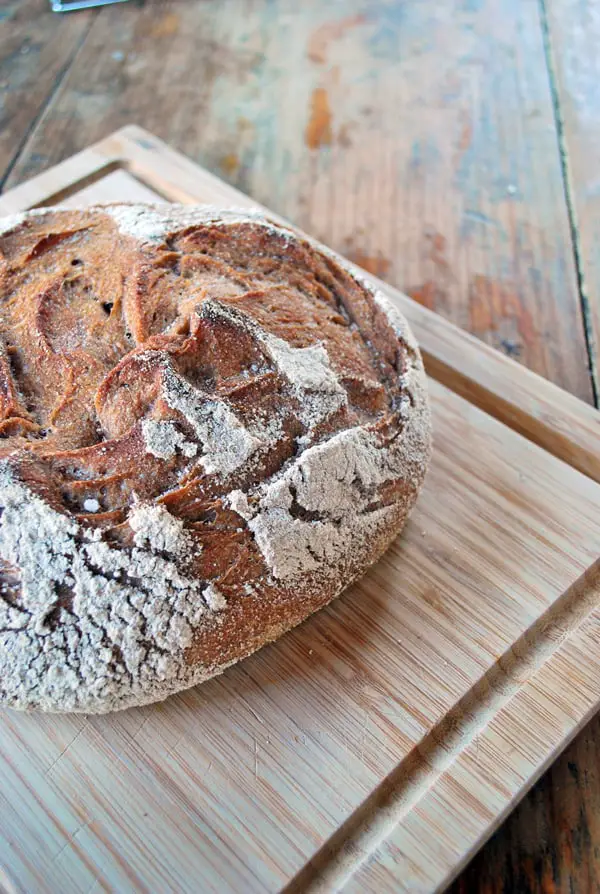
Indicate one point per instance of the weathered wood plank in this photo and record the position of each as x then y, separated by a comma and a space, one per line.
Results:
573, 33
560, 423
416, 138
36, 49
551, 842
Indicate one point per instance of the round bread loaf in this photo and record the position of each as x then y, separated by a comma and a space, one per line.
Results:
209, 428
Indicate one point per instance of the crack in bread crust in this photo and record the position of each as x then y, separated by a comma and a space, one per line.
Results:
208, 428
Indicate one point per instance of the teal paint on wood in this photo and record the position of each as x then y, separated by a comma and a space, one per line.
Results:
381, 128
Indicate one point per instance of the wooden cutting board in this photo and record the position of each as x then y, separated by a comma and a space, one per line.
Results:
377, 746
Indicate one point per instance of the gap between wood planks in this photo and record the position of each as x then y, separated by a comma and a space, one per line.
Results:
55, 87
571, 205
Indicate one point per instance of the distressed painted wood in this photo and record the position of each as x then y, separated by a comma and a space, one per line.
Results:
451, 674
551, 843
557, 421
416, 138
36, 51
573, 39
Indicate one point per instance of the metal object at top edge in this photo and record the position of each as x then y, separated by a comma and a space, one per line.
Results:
72, 5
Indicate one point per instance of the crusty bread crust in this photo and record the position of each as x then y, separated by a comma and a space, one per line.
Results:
210, 427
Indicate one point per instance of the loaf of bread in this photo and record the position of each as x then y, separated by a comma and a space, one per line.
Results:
209, 428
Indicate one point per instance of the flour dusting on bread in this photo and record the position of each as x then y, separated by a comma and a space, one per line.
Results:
226, 443
308, 370
324, 504
210, 426
163, 440
126, 621
148, 223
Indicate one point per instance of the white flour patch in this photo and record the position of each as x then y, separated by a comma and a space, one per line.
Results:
92, 624
335, 482
12, 221
308, 370
155, 528
238, 501
214, 598
151, 223
226, 444
163, 440
293, 548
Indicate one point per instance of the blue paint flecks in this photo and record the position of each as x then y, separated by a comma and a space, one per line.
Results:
479, 161
395, 26
473, 220
511, 348
424, 153
536, 279
451, 93
383, 43
478, 217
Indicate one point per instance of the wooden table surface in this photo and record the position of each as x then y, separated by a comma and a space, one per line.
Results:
449, 146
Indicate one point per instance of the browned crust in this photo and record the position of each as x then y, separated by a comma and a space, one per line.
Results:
205, 298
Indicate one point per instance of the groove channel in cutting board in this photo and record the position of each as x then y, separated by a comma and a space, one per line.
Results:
237, 784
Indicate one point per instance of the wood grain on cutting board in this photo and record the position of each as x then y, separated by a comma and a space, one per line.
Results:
378, 744
240, 781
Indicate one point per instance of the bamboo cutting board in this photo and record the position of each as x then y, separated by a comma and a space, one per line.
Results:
377, 746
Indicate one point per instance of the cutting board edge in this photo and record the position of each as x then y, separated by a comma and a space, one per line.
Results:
560, 639
135, 151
